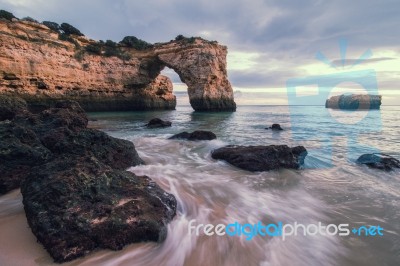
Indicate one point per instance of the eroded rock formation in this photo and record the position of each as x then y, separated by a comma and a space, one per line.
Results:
76, 195
354, 102
262, 158
39, 67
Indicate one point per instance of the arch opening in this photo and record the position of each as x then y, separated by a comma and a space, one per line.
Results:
180, 89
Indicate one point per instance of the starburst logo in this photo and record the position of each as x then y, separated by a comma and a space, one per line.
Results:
343, 51
352, 124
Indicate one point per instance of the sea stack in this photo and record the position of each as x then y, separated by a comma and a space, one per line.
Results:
43, 62
354, 102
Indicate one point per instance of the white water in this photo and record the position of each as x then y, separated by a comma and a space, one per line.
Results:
214, 192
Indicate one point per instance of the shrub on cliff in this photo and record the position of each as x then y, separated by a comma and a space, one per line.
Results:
94, 48
29, 19
6, 15
180, 37
133, 42
69, 29
111, 49
52, 25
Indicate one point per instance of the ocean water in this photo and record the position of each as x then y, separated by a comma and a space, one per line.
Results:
331, 189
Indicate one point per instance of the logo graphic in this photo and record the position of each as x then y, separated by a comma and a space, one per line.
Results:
350, 124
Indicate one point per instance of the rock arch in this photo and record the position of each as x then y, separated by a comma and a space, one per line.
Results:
202, 67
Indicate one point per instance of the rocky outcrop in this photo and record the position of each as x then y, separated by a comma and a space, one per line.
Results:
74, 206
354, 102
158, 123
28, 140
76, 194
195, 135
275, 127
379, 161
262, 158
40, 68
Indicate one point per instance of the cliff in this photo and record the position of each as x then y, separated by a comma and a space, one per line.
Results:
40, 66
354, 102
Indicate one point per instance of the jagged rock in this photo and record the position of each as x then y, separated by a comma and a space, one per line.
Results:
28, 140
195, 135
45, 69
158, 123
354, 102
75, 193
11, 106
379, 161
74, 206
275, 127
262, 158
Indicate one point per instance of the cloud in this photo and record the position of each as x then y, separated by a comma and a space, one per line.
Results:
275, 39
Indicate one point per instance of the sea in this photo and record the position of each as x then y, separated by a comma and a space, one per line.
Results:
331, 189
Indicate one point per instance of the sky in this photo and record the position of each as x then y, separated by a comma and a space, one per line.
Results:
270, 42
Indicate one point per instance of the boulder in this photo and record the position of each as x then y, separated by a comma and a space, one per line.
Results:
275, 127
379, 161
75, 193
11, 106
29, 140
158, 123
262, 158
76, 205
195, 135
354, 102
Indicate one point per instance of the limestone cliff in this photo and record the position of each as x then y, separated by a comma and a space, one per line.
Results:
354, 102
39, 67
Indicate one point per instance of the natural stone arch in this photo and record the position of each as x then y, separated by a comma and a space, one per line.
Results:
202, 67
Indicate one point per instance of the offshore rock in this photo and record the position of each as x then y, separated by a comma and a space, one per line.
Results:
40, 68
379, 161
275, 127
158, 123
195, 135
354, 102
262, 158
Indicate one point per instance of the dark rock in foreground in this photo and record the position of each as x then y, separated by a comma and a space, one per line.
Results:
379, 161
74, 206
195, 135
28, 140
275, 127
75, 193
158, 123
262, 158
354, 102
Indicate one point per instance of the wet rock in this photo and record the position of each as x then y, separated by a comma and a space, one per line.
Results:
158, 123
28, 140
20, 151
195, 135
275, 127
379, 161
262, 158
74, 206
354, 102
75, 193
11, 106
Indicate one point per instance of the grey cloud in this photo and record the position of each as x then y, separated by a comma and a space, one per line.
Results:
290, 31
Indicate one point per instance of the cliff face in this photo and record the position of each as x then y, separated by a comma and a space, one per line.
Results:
37, 66
354, 102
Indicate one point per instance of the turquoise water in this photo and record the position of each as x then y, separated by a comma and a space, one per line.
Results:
331, 189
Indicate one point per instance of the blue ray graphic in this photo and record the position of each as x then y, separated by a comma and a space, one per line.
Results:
343, 50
